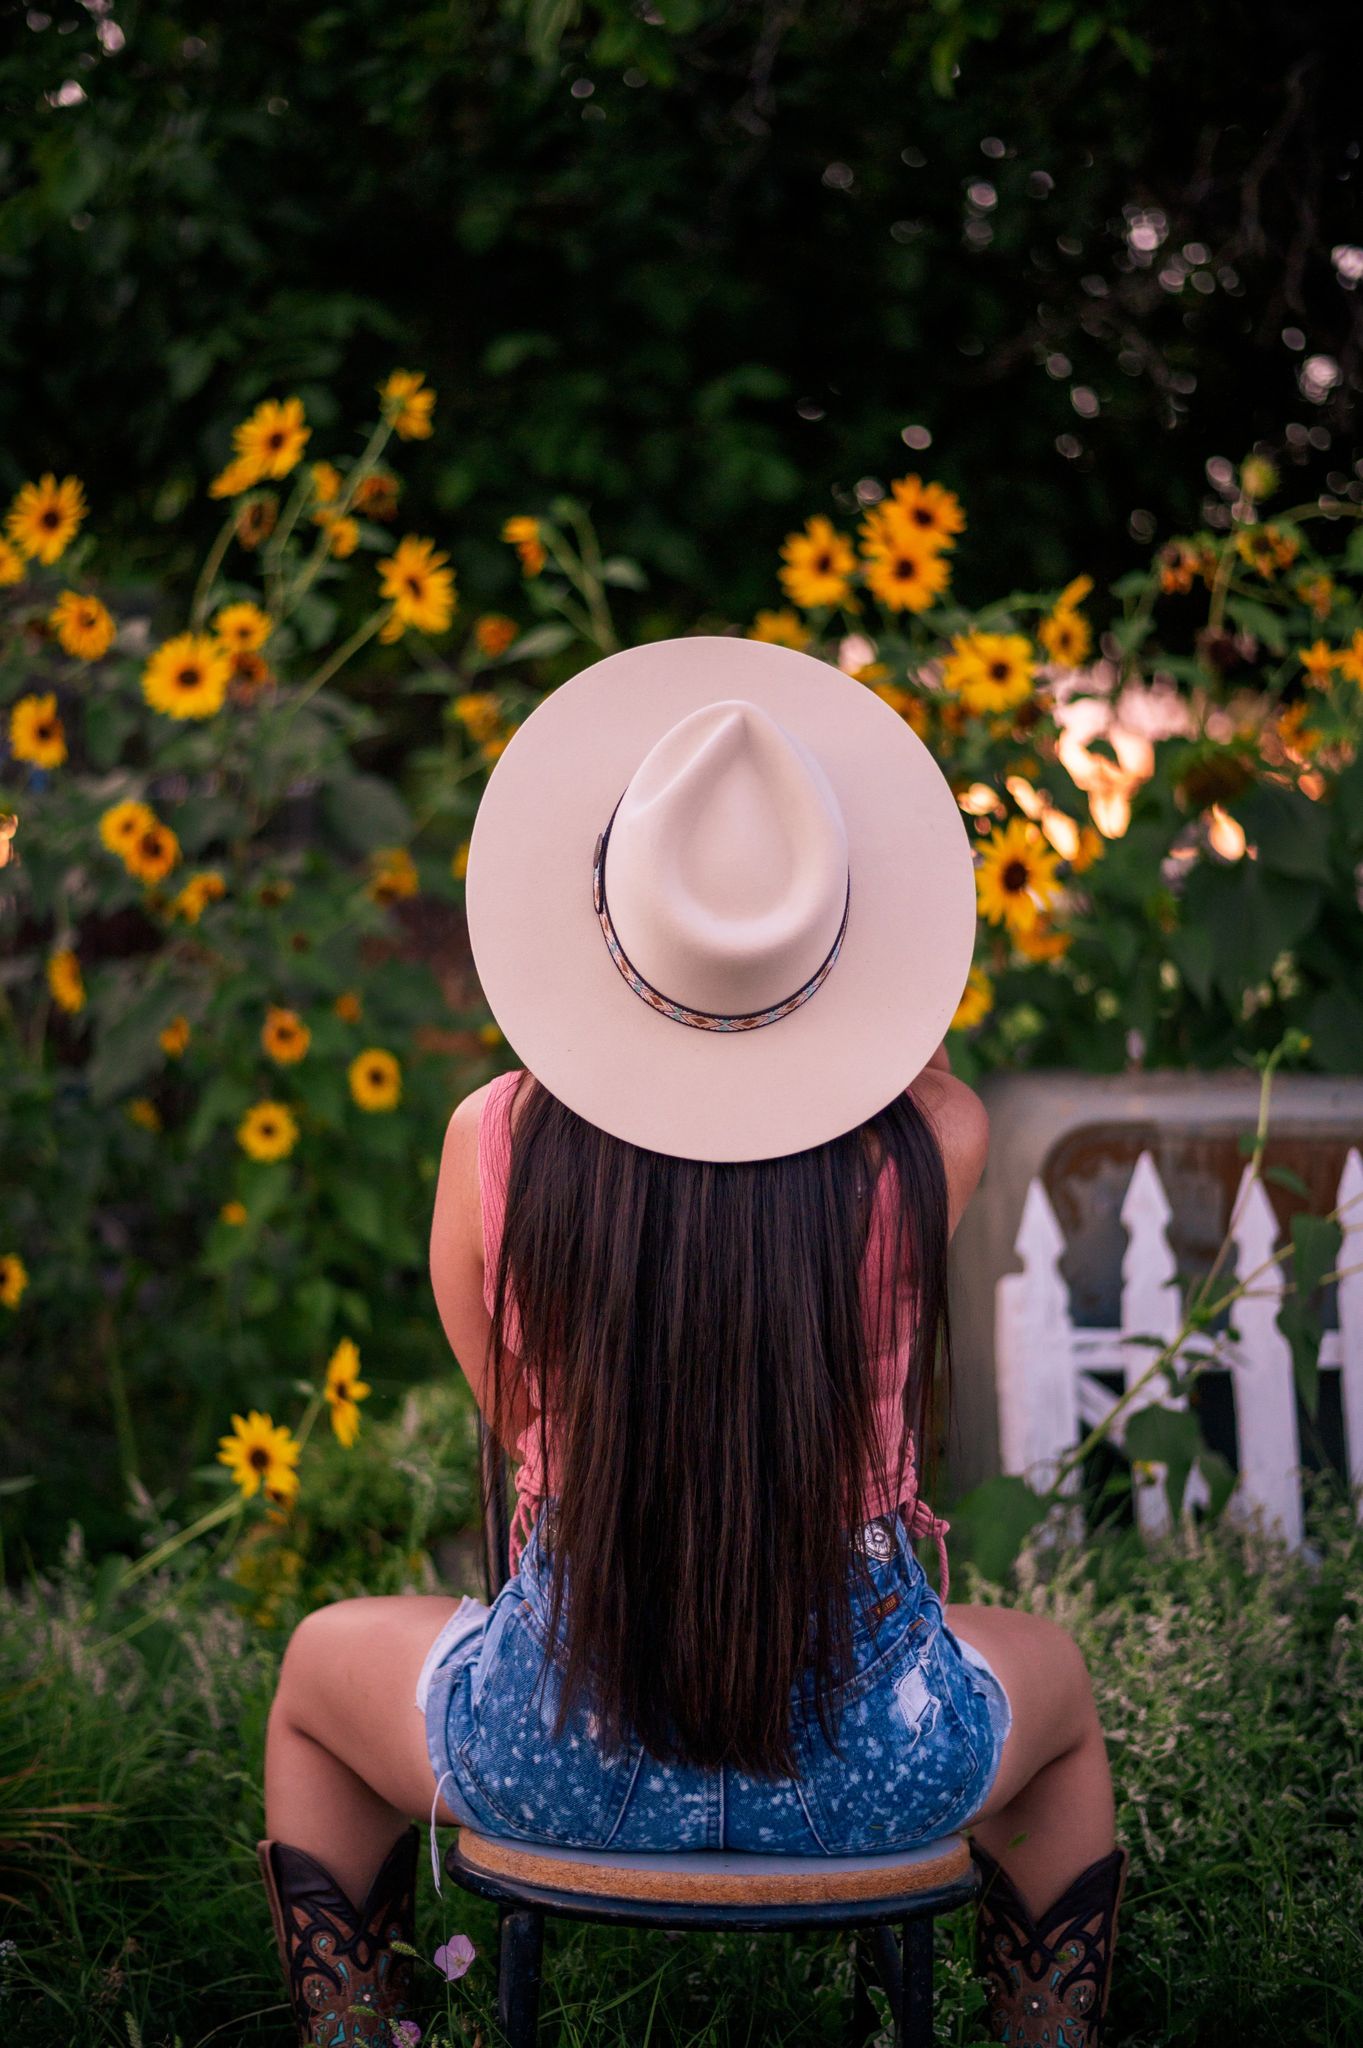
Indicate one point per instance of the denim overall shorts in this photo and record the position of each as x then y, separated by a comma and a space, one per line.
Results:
921, 1722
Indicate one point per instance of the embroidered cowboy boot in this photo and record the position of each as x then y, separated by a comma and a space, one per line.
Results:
1048, 1979
344, 1981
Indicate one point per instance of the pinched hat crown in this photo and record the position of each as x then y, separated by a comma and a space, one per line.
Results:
723, 871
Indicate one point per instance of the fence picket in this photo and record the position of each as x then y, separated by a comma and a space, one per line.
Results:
1033, 1349
1350, 1298
1150, 1308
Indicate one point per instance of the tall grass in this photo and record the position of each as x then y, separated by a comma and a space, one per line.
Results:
1230, 1679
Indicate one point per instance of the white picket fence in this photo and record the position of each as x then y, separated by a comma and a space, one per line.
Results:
1049, 1394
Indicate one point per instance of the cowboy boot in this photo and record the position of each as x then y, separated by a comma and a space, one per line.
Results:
1048, 1979
344, 1981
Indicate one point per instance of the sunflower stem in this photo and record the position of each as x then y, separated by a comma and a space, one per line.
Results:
369, 456
163, 1551
213, 561
336, 661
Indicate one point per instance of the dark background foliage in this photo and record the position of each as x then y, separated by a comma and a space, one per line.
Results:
700, 262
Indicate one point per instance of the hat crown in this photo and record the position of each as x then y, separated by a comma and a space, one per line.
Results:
726, 868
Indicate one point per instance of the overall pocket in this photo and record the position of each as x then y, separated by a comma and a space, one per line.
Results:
562, 1789
905, 1754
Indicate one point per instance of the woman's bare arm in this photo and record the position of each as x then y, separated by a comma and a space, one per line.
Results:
962, 1126
457, 1266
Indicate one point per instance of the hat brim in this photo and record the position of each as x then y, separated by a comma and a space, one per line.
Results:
557, 995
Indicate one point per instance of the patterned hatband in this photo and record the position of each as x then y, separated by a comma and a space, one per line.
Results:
681, 1013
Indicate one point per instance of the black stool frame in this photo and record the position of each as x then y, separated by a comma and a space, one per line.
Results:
903, 1965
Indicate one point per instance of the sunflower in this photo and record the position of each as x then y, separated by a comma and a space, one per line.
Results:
1065, 636
459, 861
1266, 549
494, 633
345, 1390
523, 533
1349, 661
375, 1079
82, 625
144, 1114
490, 1035
268, 1131
930, 511
273, 438
233, 1213
818, 564
326, 482
36, 733
376, 495
13, 1279
45, 517
394, 874
1317, 593
1297, 737
256, 520
260, 1452
11, 564
780, 629
196, 894
977, 1000
241, 472
906, 572
1043, 941
341, 531
251, 673
123, 824
480, 714
421, 588
407, 404
243, 628
348, 1006
66, 981
1178, 564
175, 1038
1318, 660
187, 677
989, 671
1015, 879
285, 1036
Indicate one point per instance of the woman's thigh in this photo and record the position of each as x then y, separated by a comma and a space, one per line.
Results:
349, 1682
1043, 1673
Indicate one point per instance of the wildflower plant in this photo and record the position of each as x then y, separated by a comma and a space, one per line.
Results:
1167, 810
219, 1092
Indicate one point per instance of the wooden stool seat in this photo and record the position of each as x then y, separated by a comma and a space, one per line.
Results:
722, 1877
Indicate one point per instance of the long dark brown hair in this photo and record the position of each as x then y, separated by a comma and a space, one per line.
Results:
704, 1338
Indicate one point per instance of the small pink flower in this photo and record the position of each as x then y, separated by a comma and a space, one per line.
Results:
405, 2033
453, 1957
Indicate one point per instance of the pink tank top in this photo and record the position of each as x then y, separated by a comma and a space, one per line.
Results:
532, 1483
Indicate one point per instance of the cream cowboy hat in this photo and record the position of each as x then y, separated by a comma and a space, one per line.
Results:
720, 899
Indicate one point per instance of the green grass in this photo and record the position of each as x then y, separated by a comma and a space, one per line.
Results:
1230, 1678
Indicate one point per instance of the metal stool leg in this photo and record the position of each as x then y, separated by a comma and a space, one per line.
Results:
915, 2009
518, 1975
862, 2018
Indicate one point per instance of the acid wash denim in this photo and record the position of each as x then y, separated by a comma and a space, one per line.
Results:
921, 1722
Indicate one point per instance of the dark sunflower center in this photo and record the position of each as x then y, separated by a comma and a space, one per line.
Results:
45, 728
998, 671
50, 517
274, 440
414, 585
376, 1075
823, 564
903, 569
1014, 877
189, 678
922, 516
258, 1457
341, 1389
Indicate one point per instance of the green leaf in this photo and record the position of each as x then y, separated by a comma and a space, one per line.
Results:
1284, 1177
1316, 1242
550, 638
224, 1100
994, 1520
1170, 1437
620, 570
1301, 1327
1291, 833
108, 725
128, 1049
365, 812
